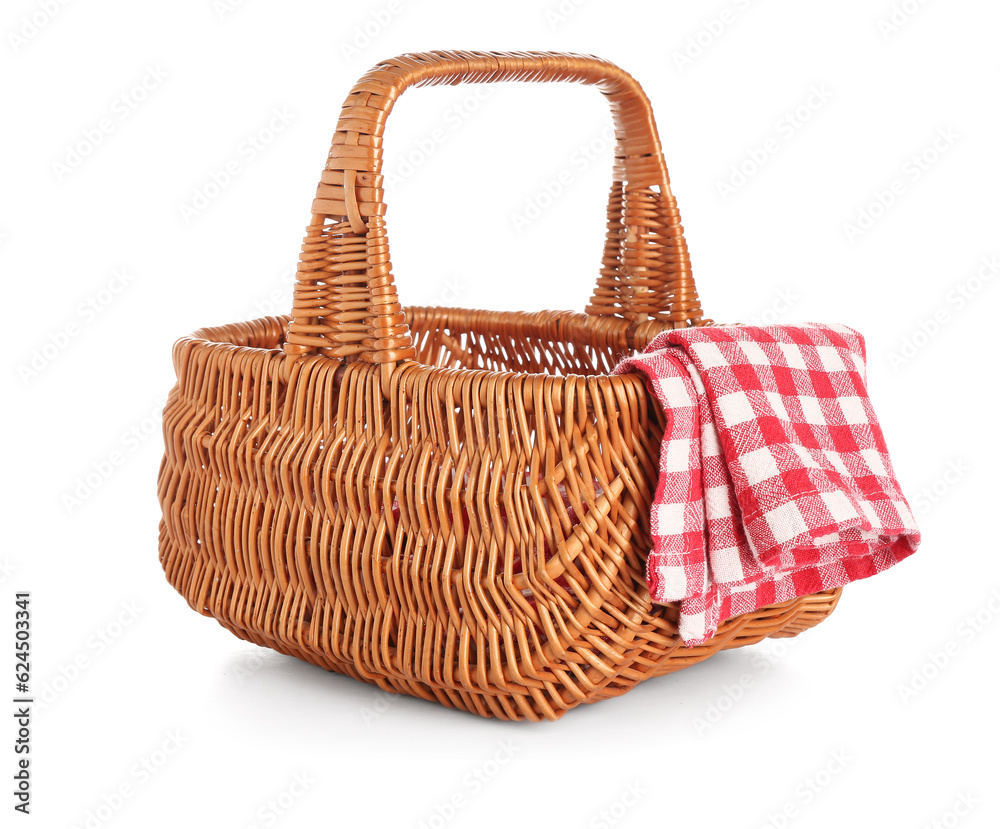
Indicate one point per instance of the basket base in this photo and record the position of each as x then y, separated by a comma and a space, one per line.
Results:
289, 631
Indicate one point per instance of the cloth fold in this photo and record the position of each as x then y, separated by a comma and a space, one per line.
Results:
775, 481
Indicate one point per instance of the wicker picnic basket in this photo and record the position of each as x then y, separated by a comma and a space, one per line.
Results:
447, 503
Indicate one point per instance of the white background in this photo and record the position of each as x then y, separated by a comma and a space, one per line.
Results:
884, 715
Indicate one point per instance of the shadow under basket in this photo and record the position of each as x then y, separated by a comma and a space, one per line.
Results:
481, 543
447, 503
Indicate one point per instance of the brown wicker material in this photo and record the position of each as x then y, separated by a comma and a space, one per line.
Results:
448, 503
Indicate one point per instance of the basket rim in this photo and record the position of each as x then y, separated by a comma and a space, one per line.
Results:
246, 336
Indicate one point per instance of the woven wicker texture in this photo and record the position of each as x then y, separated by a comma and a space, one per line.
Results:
447, 503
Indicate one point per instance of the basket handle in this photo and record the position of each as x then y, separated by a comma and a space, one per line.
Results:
345, 304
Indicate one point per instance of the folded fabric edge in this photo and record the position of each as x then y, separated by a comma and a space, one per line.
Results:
702, 615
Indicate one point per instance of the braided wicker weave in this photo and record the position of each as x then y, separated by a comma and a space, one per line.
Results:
447, 503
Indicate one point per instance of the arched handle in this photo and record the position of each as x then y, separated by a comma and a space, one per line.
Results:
345, 303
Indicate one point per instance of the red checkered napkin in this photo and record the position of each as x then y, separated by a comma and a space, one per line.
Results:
774, 480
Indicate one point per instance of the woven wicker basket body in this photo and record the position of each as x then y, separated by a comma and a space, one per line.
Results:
447, 503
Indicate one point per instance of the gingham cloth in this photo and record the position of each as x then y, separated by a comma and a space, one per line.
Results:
774, 480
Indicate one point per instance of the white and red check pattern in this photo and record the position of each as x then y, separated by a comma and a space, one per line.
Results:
774, 480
